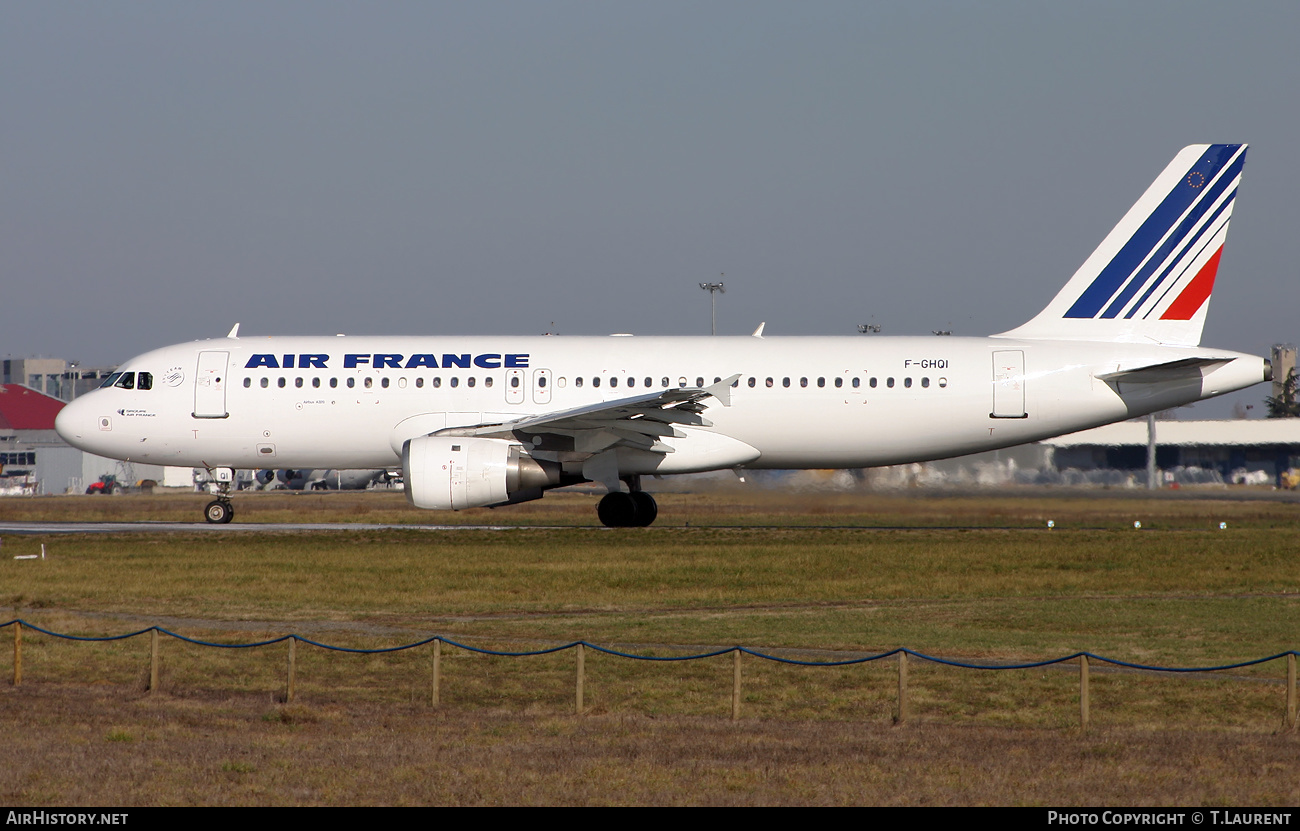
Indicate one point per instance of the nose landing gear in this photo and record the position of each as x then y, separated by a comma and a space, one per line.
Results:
220, 510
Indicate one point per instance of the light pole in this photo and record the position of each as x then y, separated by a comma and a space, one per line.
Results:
714, 289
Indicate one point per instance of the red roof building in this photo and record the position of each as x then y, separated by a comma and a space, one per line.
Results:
26, 409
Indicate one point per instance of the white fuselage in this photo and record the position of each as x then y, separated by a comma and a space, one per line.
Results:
800, 402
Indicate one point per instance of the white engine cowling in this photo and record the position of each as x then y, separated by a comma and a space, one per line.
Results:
451, 473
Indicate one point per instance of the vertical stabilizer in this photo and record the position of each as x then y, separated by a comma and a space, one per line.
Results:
1150, 280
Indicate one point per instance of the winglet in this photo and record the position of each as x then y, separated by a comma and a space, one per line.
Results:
722, 389
234, 332
758, 333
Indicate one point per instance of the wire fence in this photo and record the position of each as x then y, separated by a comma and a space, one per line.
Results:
901, 655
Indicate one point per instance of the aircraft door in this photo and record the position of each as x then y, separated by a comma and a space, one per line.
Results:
1008, 384
542, 386
210, 385
514, 386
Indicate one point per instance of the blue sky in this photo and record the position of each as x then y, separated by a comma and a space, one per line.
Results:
502, 167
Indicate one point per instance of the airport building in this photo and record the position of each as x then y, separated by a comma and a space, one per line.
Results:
54, 377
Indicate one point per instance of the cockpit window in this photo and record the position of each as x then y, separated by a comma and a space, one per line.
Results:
144, 381
126, 382
110, 380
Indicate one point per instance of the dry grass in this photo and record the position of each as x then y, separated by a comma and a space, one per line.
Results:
82, 730
96, 746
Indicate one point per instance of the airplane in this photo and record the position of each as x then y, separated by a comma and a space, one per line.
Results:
490, 421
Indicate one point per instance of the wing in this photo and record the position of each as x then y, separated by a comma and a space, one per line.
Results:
639, 422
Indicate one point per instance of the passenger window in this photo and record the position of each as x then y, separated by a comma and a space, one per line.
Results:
281, 382
469, 381
785, 382
419, 383
315, 382
297, 382
514, 382
889, 382
649, 382
369, 382
334, 382
752, 380
266, 382
665, 382
383, 382
613, 382
144, 381
352, 382
925, 383
248, 382
821, 382
595, 382
943, 382
907, 382
872, 382
455, 382
487, 382
577, 382
126, 382
769, 382
681, 383
839, 382
699, 382
857, 382
541, 381
437, 382
803, 382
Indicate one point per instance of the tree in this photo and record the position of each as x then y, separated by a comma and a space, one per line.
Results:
1285, 405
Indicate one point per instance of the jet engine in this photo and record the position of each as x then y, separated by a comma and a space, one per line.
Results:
453, 473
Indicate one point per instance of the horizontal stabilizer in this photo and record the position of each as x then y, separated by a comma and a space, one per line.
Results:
1159, 372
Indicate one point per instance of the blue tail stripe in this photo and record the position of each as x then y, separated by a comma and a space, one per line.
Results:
1202, 238
1210, 196
1130, 256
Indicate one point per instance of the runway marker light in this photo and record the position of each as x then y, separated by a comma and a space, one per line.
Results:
1223, 526
1137, 523
1051, 524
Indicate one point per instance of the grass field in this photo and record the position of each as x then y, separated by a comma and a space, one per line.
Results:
816, 577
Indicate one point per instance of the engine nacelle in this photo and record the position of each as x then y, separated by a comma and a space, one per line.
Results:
445, 473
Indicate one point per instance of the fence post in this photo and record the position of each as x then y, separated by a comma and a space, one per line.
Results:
581, 677
902, 688
736, 684
153, 660
289, 691
1083, 692
437, 672
18, 653
1290, 691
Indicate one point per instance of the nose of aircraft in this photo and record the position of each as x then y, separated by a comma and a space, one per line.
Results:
77, 423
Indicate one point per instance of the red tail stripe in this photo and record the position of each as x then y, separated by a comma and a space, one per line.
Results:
1197, 292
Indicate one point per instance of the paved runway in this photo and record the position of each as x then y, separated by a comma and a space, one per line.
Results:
204, 527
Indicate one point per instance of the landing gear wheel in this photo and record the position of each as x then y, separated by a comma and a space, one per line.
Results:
646, 508
617, 510
218, 512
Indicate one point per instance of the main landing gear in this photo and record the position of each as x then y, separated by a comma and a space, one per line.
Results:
627, 510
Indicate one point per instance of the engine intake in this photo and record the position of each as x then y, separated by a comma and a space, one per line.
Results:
453, 473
